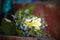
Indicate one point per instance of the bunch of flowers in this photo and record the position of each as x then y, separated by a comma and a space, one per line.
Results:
28, 24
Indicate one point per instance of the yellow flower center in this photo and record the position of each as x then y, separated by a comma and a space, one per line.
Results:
32, 23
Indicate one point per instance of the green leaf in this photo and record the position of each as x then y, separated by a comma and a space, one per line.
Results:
19, 32
31, 7
18, 14
8, 28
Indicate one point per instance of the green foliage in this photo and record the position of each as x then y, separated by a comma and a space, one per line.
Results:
7, 27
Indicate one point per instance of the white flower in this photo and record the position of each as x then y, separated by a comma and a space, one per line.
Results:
28, 19
34, 18
27, 11
20, 11
39, 19
39, 24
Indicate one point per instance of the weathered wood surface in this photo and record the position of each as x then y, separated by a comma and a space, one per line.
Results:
3, 37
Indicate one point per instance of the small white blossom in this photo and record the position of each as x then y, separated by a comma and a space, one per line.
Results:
39, 24
39, 19
20, 11
34, 18
28, 19
27, 11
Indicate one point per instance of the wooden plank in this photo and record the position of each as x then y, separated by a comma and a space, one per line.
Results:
4, 37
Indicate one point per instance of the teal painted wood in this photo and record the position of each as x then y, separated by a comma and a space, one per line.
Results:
6, 5
23, 1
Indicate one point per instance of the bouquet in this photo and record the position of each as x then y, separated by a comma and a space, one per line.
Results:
28, 24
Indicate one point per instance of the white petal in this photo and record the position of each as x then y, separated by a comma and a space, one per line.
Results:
39, 19
27, 11
39, 24
7, 20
